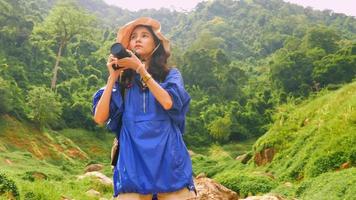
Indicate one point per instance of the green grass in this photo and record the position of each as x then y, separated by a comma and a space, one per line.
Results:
61, 179
221, 166
314, 137
331, 185
312, 140
59, 156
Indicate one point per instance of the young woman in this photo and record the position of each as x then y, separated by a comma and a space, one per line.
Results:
153, 158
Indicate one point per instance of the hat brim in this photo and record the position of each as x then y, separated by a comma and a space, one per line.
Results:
124, 33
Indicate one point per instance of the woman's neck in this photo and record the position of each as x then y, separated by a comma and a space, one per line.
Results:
147, 63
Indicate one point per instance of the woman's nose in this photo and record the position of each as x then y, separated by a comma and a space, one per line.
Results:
138, 39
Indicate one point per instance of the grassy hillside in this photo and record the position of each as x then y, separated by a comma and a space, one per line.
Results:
45, 165
308, 153
314, 137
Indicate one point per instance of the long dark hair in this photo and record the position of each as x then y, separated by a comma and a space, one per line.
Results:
157, 66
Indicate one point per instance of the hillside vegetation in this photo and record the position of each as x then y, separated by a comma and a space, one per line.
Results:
308, 153
46, 164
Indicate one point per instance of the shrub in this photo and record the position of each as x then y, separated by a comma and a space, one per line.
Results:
8, 188
246, 184
327, 163
330, 185
34, 175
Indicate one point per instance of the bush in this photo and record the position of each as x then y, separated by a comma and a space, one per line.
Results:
34, 175
246, 184
327, 163
330, 185
8, 188
256, 185
35, 196
44, 106
30, 196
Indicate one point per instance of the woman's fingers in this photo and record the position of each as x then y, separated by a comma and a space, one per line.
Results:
133, 55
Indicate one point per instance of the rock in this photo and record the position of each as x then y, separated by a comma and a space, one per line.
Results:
34, 175
8, 161
65, 198
201, 175
265, 156
264, 197
99, 176
94, 167
345, 165
93, 193
244, 158
209, 189
288, 184
306, 122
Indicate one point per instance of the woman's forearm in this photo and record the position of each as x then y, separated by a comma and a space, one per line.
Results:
102, 109
158, 92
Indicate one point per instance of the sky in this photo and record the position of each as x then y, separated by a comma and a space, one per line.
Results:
347, 7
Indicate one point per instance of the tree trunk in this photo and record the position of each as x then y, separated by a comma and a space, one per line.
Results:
56, 66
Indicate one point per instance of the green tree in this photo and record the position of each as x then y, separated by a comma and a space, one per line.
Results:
321, 37
291, 72
6, 97
198, 69
64, 22
335, 69
11, 94
220, 128
45, 108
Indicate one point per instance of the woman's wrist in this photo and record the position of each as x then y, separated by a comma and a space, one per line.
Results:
140, 68
146, 77
111, 80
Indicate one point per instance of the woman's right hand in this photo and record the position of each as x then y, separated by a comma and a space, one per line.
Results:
114, 74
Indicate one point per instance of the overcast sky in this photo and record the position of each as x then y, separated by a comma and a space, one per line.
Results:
347, 7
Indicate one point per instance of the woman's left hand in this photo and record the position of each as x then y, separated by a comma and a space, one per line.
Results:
130, 62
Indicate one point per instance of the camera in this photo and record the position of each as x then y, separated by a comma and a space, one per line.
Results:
118, 51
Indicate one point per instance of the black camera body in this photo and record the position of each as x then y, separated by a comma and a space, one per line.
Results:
118, 51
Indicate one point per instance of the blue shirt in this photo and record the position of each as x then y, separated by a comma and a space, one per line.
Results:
153, 157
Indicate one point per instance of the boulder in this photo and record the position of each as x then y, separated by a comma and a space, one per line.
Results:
7, 161
94, 167
63, 197
92, 193
244, 158
99, 176
35, 175
288, 184
264, 197
345, 165
265, 156
201, 175
208, 189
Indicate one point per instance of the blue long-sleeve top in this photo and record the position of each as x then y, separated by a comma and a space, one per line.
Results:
153, 157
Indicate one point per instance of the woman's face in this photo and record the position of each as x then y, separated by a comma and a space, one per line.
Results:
142, 42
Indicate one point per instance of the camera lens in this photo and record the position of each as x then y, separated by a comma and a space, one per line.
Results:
118, 51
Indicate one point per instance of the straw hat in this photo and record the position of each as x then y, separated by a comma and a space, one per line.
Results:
124, 33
